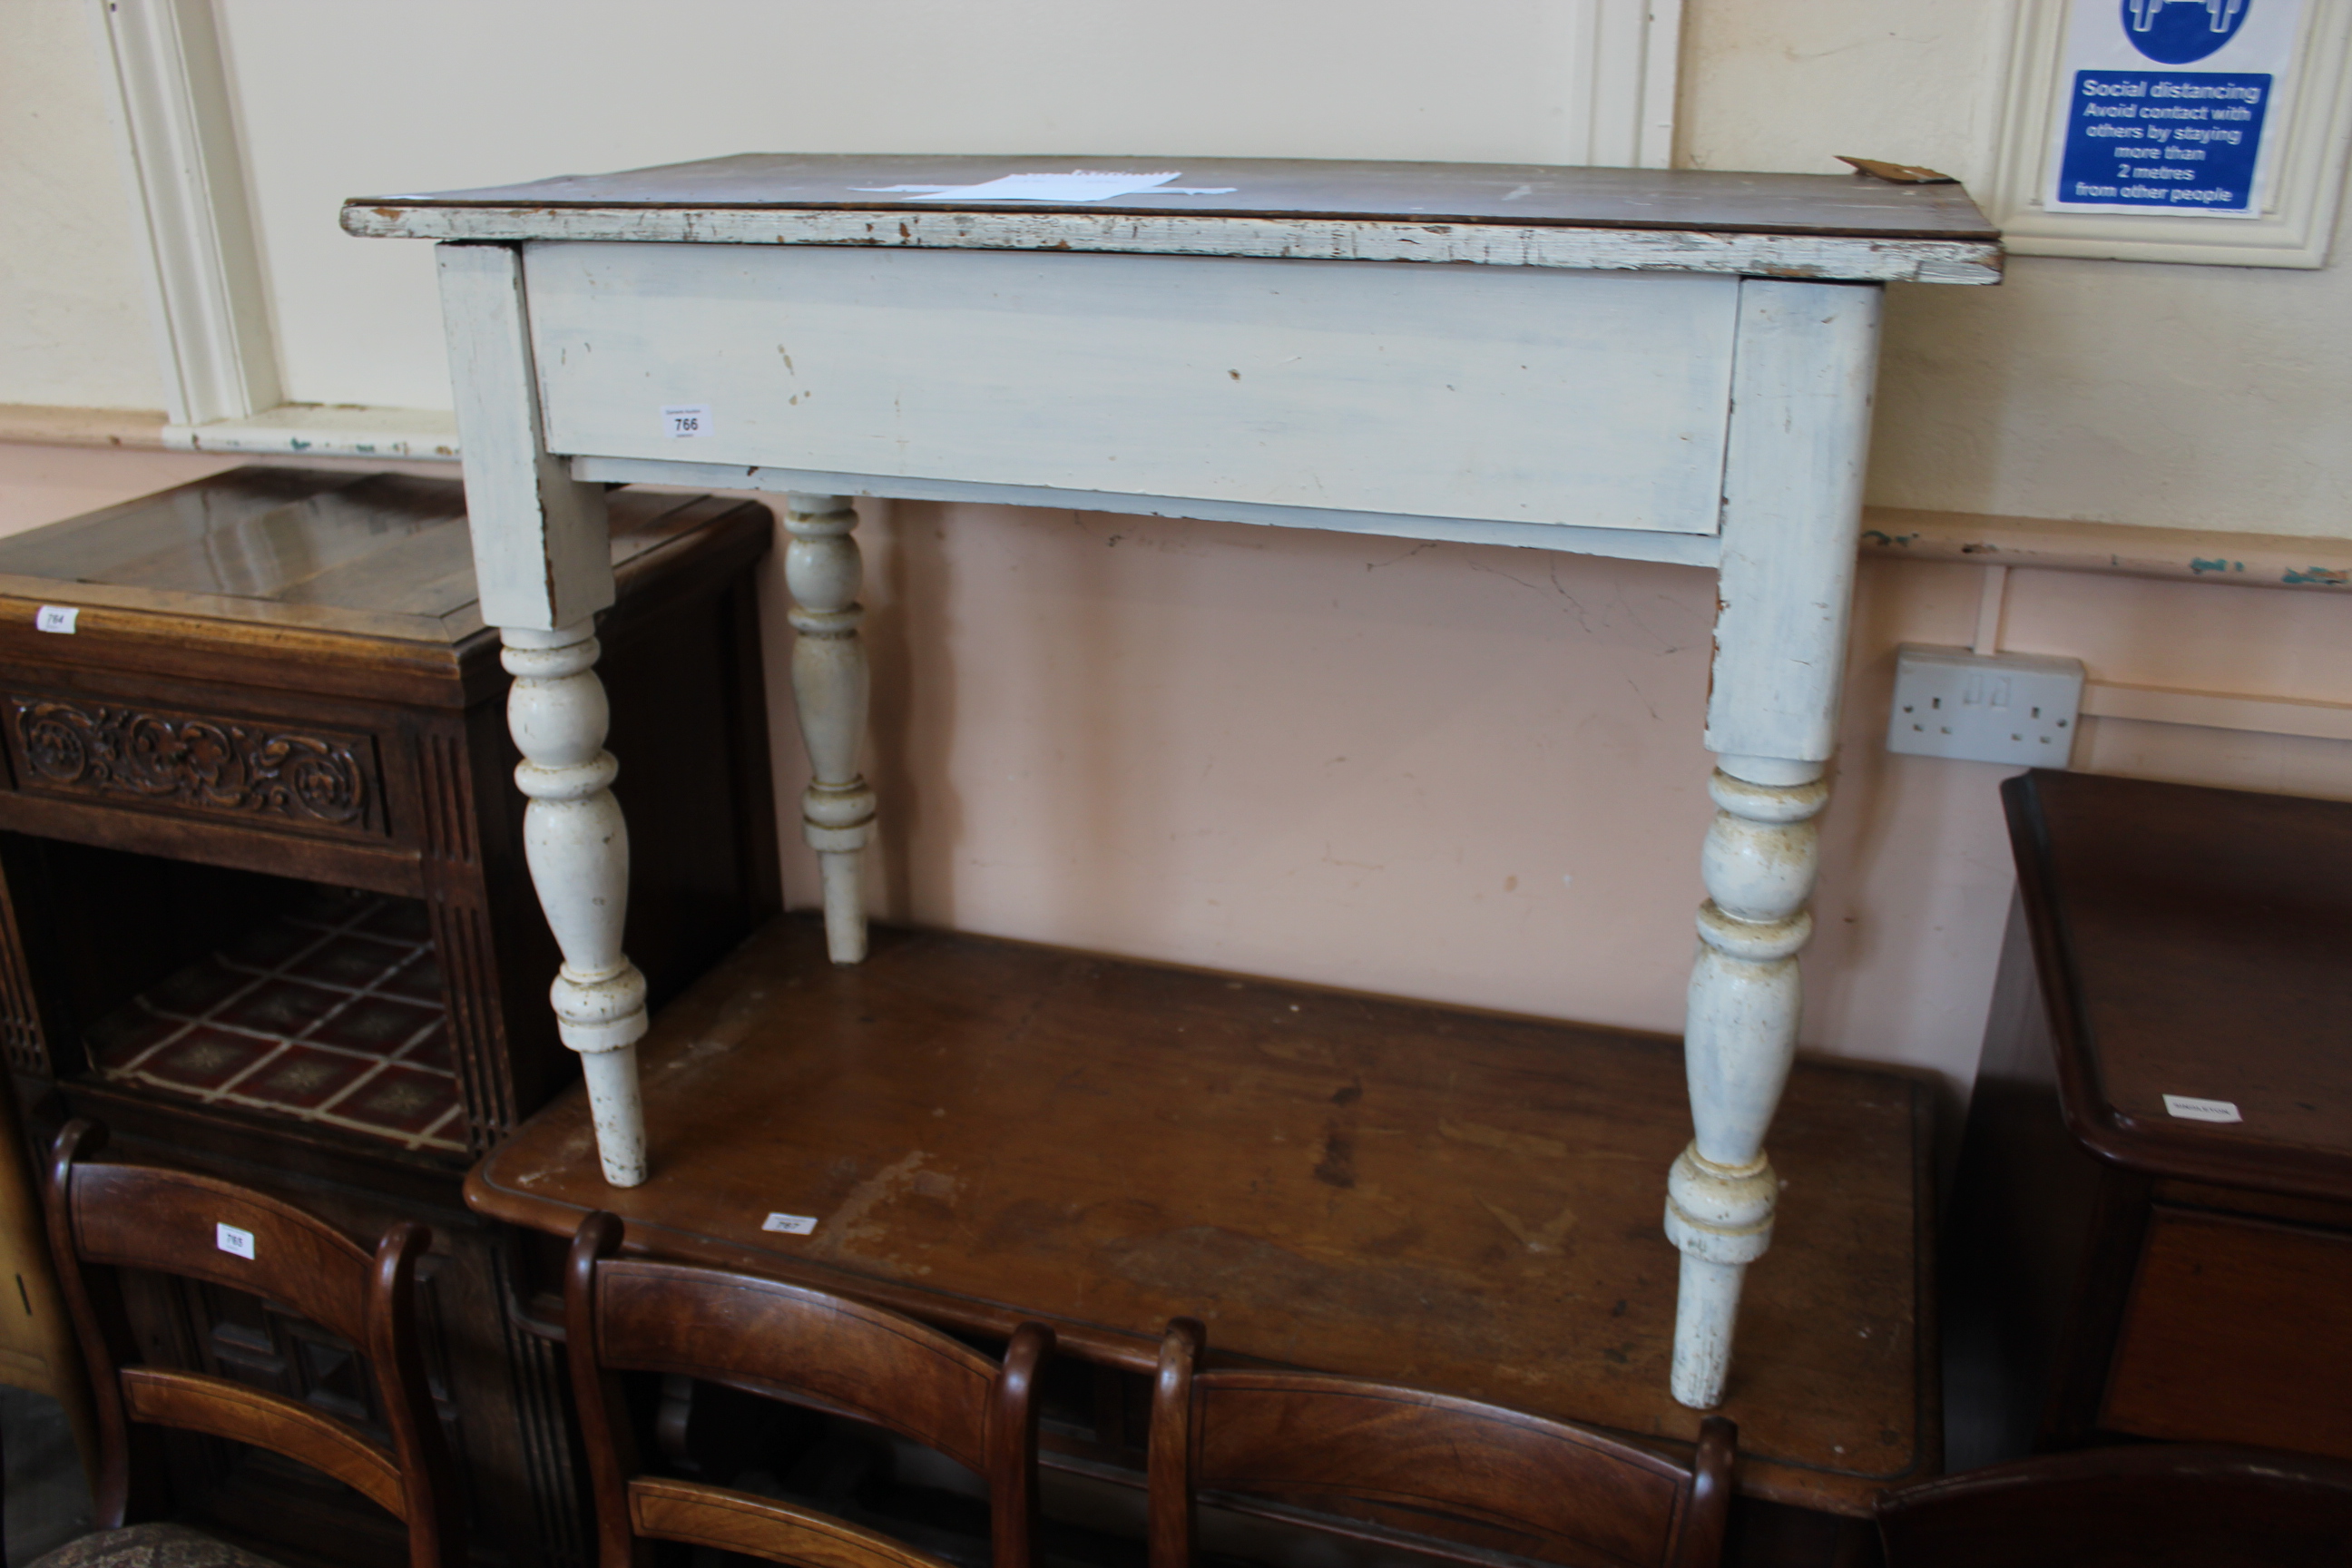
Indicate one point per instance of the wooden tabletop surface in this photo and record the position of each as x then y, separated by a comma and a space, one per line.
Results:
379, 555
1834, 228
2192, 942
985, 1131
1515, 193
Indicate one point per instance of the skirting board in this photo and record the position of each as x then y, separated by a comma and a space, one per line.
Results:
2218, 711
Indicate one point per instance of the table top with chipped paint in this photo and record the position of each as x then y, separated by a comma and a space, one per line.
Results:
1535, 194
982, 1132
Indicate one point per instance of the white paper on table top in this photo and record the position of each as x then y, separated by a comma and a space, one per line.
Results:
1078, 185
2190, 1108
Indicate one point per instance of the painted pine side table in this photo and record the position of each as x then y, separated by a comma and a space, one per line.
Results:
1662, 366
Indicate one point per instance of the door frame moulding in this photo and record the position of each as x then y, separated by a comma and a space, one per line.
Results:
178, 138
1631, 59
176, 130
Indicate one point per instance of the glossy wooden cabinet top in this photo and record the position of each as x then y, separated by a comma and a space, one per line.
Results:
2192, 942
1824, 225
381, 556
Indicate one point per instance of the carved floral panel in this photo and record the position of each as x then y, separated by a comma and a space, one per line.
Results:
306, 778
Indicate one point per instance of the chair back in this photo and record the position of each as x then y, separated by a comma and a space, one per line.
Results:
2149, 1507
106, 1217
804, 1347
1384, 1463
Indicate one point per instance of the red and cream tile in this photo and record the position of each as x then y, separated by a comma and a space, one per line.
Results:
332, 1013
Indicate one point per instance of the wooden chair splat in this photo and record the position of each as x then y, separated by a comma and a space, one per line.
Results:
800, 1345
1384, 1463
813, 1348
106, 1217
195, 1402
175, 1221
712, 1516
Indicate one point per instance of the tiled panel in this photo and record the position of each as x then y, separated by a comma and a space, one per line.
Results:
332, 1013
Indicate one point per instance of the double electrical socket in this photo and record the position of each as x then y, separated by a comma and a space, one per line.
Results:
2015, 708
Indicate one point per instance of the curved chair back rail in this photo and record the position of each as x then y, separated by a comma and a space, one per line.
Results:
107, 1217
1377, 1460
2152, 1507
803, 1346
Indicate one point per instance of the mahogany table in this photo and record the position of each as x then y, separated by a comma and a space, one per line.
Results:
981, 1132
1665, 365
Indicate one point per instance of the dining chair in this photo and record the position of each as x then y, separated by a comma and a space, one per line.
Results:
803, 1347
2156, 1506
1434, 1474
105, 1217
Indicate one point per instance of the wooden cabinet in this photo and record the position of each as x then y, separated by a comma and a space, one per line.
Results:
264, 909
2152, 1228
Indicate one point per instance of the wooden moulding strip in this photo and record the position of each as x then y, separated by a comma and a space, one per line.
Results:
258, 621
2185, 554
34, 424
2218, 711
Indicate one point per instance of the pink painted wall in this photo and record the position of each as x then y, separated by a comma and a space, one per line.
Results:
1450, 772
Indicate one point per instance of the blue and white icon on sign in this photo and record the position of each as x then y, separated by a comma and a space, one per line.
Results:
2174, 32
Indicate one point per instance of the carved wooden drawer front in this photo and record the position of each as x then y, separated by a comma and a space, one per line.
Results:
273, 775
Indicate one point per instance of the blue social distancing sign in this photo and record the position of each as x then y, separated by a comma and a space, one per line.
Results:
2171, 105
2164, 139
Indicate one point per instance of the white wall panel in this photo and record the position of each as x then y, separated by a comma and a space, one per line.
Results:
75, 329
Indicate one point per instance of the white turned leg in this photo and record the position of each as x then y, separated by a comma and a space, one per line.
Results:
829, 687
1760, 857
1792, 473
578, 848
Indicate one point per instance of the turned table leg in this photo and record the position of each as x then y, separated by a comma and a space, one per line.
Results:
578, 850
543, 567
1792, 507
829, 688
1739, 1039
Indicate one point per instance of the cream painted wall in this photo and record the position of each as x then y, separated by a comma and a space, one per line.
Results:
2184, 396
339, 100
73, 324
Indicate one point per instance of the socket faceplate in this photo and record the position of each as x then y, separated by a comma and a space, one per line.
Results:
2016, 708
